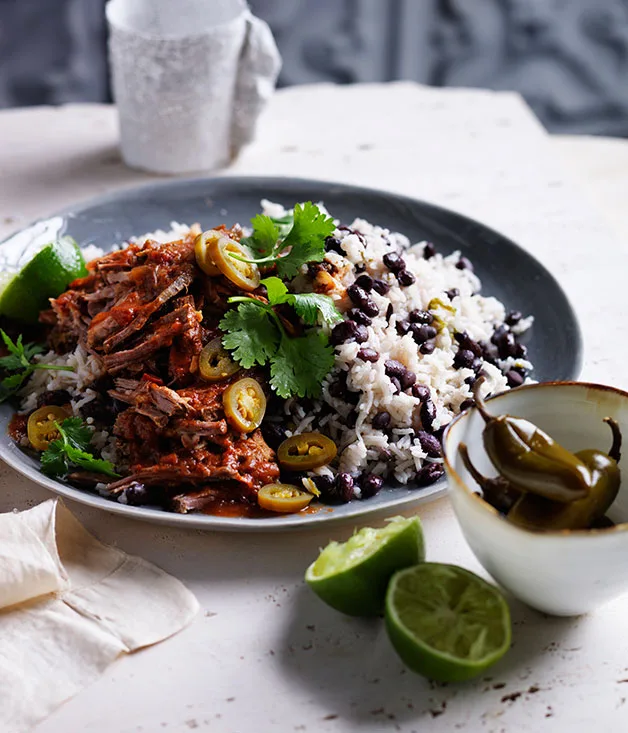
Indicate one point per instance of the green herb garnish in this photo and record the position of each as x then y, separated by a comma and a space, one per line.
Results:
304, 242
19, 361
72, 448
255, 335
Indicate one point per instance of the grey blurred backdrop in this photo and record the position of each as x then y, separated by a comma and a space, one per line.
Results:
569, 58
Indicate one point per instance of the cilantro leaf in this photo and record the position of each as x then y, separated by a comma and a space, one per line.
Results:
77, 433
54, 461
276, 290
249, 334
264, 237
71, 448
19, 360
306, 239
309, 305
301, 364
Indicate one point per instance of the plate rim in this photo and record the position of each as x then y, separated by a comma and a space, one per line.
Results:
14, 457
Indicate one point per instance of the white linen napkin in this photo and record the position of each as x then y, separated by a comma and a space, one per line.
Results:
69, 607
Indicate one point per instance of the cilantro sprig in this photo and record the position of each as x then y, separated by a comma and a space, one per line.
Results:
19, 361
72, 448
304, 241
255, 334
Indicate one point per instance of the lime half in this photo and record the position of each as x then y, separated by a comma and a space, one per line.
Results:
445, 622
45, 276
352, 576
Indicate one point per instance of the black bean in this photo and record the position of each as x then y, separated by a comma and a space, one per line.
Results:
506, 345
427, 348
520, 370
429, 250
429, 474
324, 484
513, 318
421, 334
464, 264
333, 245
407, 380
421, 392
466, 404
370, 484
368, 354
429, 443
394, 368
499, 333
344, 331
514, 378
381, 287
394, 262
464, 359
136, 494
403, 327
466, 342
381, 421
419, 316
57, 397
359, 296
361, 334
396, 384
428, 414
355, 314
352, 417
489, 351
453, 293
359, 267
293, 477
338, 387
520, 350
405, 278
389, 311
365, 282
478, 363
274, 433
344, 484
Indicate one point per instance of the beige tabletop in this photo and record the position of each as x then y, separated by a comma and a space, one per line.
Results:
264, 654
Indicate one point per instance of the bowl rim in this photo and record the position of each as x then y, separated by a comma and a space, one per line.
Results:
451, 471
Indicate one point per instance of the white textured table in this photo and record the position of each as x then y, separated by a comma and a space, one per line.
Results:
265, 654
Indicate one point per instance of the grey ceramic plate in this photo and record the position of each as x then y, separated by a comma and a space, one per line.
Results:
506, 271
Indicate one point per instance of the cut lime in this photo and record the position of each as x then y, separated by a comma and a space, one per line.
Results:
352, 576
45, 276
445, 622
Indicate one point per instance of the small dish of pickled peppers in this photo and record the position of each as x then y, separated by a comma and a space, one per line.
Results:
540, 484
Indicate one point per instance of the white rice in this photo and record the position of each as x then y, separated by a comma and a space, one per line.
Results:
397, 452
393, 453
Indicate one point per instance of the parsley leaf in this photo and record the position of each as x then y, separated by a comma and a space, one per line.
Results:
264, 237
301, 364
19, 361
250, 334
72, 449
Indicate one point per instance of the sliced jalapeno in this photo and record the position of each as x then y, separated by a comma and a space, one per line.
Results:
244, 404
306, 451
283, 498
243, 274
201, 251
41, 429
215, 363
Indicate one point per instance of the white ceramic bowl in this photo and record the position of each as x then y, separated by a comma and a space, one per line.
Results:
565, 572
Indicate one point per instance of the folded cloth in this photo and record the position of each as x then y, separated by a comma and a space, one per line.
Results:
69, 607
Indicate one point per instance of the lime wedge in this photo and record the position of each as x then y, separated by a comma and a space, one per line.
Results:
352, 576
45, 276
445, 622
